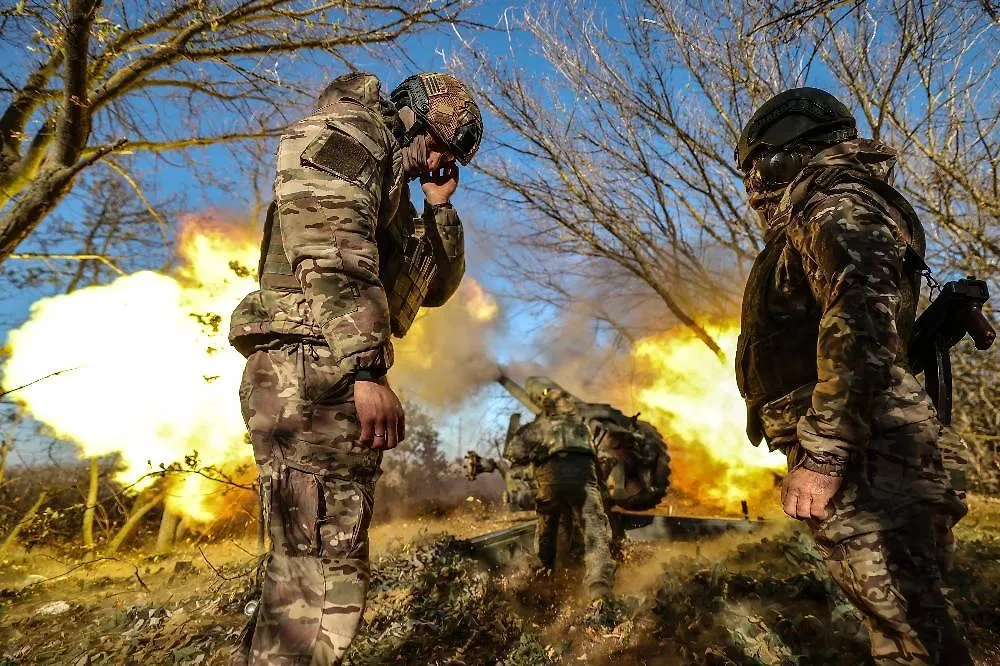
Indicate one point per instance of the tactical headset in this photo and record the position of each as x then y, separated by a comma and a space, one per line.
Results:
779, 167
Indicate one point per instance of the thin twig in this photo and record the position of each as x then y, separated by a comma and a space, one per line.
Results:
51, 374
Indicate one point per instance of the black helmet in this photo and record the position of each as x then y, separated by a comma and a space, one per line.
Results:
444, 106
793, 115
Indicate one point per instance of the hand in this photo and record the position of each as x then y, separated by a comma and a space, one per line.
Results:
440, 184
806, 494
383, 424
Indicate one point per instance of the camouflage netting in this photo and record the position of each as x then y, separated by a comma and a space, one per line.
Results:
435, 605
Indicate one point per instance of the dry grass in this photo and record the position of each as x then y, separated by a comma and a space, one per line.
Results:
716, 601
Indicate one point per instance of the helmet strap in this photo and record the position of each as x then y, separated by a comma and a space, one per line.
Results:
412, 125
415, 157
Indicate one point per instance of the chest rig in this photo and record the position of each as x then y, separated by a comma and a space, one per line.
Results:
406, 266
776, 355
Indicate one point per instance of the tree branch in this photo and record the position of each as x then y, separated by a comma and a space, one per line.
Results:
76, 257
73, 124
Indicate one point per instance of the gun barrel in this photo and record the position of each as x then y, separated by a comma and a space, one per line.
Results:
518, 392
979, 327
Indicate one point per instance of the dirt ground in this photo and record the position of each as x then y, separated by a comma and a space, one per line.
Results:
736, 599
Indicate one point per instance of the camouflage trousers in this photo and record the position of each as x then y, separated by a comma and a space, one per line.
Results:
888, 542
317, 485
568, 489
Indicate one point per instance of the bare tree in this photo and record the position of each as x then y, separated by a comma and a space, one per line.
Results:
144, 503
100, 79
616, 158
977, 414
108, 232
7, 438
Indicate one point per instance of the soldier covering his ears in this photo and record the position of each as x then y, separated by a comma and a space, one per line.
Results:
822, 363
345, 262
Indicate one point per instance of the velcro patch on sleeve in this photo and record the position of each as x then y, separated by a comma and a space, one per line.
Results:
339, 155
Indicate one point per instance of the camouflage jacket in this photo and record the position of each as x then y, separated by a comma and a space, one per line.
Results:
339, 188
844, 239
547, 435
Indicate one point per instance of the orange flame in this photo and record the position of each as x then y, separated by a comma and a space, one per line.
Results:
692, 398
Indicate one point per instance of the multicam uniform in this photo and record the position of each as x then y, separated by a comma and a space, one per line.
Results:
345, 261
827, 313
562, 447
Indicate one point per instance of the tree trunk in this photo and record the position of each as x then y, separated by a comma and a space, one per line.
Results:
133, 521
8, 438
183, 527
168, 530
25, 520
91, 509
4, 450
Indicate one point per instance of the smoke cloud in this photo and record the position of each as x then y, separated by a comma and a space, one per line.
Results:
445, 357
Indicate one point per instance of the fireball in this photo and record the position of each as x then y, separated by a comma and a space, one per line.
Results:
149, 375
691, 396
145, 370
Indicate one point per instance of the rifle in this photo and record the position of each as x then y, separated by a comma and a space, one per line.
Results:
955, 313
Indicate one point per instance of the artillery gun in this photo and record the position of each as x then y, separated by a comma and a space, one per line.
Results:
632, 456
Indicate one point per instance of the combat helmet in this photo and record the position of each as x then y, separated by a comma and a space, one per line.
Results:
443, 106
804, 113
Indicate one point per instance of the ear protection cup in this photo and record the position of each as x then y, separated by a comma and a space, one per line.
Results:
779, 167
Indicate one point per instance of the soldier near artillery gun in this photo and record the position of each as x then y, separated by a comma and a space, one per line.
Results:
561, 447
517, 470
828, 378
633, 465
346, 261
633, 462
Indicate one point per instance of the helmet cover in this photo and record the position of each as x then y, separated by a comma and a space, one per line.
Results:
443, 106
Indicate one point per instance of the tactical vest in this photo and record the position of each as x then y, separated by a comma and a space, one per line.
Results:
406, 267
568, 435
773, 358
406, 264
274, 270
